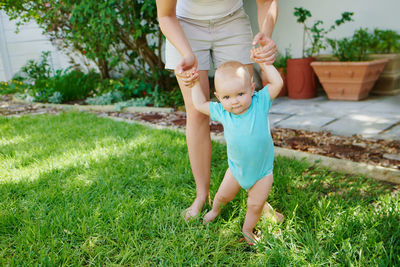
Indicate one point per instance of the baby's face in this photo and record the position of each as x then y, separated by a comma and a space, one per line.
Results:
235, 95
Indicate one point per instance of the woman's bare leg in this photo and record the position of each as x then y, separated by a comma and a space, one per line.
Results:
199, 145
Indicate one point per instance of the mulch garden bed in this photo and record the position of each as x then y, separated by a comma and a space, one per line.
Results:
384, 153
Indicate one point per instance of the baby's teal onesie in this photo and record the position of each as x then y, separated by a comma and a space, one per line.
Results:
248, 138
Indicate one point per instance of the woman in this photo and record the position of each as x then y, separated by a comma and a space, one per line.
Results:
200, 30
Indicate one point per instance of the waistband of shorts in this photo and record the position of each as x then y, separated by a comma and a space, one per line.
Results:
208, 21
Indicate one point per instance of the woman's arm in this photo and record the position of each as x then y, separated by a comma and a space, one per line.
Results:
267, 13
170, 27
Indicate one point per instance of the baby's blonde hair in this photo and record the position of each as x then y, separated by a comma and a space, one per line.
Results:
229, 70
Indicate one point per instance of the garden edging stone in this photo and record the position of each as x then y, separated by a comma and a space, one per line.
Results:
339, 165
101, 108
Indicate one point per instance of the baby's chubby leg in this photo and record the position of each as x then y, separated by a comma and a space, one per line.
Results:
226, 192
257, 196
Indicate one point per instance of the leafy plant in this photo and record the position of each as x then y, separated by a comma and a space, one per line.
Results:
71, 84
132, 87
37, 70
316, 34
385, 41
355, 48
281, 59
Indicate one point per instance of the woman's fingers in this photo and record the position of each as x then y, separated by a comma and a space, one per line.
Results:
260, 38
266, 52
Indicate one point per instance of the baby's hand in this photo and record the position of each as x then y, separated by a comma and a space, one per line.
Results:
189, 77
253, 56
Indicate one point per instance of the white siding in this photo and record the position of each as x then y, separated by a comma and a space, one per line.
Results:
17, 48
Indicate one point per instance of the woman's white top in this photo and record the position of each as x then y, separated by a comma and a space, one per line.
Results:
206, 9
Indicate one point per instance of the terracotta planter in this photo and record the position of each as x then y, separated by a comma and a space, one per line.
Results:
348, 80
300, 77
389, 81
283, 75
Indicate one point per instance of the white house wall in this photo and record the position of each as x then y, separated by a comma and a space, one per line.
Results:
17, 48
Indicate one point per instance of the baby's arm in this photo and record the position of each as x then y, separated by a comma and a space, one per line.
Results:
275, 82
199, 100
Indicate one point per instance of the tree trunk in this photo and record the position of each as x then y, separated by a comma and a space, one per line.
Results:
152, 60
103, 66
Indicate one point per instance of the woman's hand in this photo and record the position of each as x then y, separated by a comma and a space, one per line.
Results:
186, 70
266, 52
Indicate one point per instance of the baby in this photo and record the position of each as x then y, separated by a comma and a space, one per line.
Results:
244, 115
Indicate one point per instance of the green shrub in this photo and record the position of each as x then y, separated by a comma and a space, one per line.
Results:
162, 98
74, 84
71, 84
355, 48
385, 41
131, 87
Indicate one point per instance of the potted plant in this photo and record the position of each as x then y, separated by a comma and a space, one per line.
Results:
280, 65
353, 76
301, 79
386, 44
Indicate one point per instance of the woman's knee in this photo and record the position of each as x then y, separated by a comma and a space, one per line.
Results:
197, 117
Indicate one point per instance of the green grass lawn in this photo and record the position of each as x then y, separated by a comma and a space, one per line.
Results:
80, 190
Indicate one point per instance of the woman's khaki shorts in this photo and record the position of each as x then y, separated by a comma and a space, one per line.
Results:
225, 39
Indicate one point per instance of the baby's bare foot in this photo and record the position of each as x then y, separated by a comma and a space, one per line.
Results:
194, 210
210, 216
269, 212
250, 238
